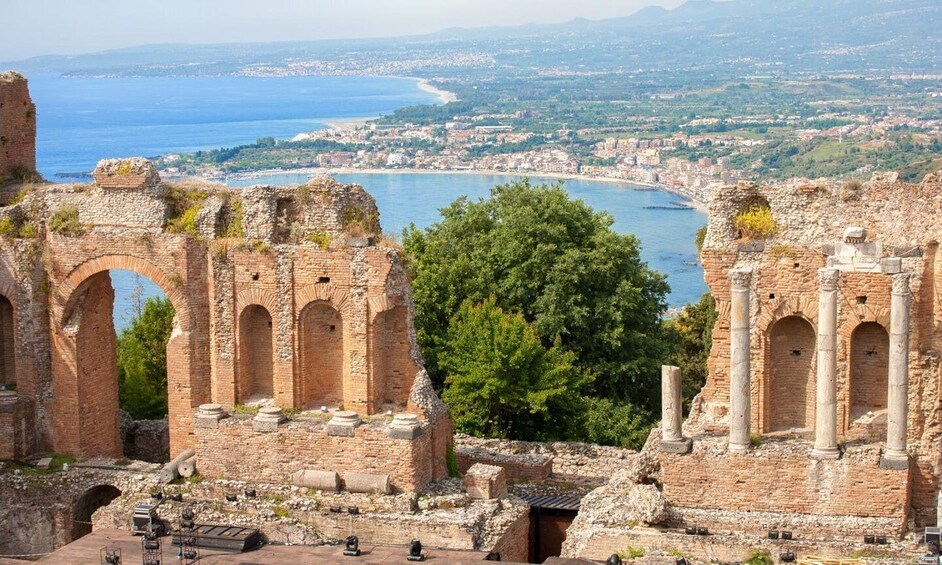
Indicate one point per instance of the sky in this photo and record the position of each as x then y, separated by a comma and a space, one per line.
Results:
66, 27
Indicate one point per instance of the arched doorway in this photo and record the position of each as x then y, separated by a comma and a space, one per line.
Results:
256, 366
7, 344
86, 505
321, 341
85, 348
393, 367
869, 368
791, 370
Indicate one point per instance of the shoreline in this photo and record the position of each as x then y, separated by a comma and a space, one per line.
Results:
329, 171
444, 96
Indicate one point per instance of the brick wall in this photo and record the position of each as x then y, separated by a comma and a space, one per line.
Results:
321, 357
791, 390
869, 366
394, 366
785, 482
7, 347
520, 468
235, 450
17, 125
256, 370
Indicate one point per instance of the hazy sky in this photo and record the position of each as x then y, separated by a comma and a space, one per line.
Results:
40, 27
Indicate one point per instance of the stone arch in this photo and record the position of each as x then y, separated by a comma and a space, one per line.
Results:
8, 341
790, 374
869, 368
257, 297
786, 306
84, 364
256, 343
86, 505
327, 292
70, 289
321, 354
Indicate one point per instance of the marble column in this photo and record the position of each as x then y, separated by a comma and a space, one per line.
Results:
672, 439
739, 369
895, 455
825, 414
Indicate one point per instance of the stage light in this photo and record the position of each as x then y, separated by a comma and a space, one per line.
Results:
787, 556
415, 551
786, 535
690, 531
353, 510
613, 560
703, 532
251, 493
773, 534
110, 556
232, 497
868, 539
352, 547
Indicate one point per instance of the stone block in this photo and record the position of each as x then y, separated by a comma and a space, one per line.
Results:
755, 246
894, 464
855, 234
320, 480
361, 241
208, 416
44, 463
128, 174
891, 265
343, 423
268, 419
367, 483
681, 447
404, 426
485, 482
187, 467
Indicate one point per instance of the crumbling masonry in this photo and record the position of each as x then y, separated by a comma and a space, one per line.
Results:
284, 297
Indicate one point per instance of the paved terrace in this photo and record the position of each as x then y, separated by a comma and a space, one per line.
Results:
86, 550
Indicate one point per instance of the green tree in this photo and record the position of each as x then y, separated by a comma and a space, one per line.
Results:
694, 332
502, 382
558, 263
142, 360
621, 425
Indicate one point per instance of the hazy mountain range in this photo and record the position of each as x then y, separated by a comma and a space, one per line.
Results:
858, 36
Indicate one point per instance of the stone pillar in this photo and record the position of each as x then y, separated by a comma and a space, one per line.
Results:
825, 419
672, 439
895, 455
739, 369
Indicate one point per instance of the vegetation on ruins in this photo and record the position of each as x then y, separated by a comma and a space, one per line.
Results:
185, 203
142, 360
7, 227
755, 222
557, 264
65, 221
694, 332
759, 557
502, 382
233, 226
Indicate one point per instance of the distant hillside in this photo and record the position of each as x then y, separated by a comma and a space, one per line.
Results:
859, 36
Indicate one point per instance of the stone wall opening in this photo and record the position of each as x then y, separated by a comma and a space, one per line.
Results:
7, 344
393, 365
256, 367
321, 337
93, 499
869, 369
791, 370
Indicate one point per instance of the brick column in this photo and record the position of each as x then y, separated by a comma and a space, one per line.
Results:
825, 424
895, 455
739, 369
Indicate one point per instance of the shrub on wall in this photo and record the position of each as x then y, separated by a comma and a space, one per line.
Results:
65, 221
756, 222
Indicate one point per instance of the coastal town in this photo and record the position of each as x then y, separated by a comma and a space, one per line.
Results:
693, 165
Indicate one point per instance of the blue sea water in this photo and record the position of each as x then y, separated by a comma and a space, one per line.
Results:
83, 120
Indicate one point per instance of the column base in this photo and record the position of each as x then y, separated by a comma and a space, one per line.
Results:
681, 446
894, 462
832, 453
740, 448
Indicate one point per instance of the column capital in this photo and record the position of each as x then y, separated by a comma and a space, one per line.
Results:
827, 278
741, 278
901, 284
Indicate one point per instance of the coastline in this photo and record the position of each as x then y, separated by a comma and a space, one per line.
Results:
444, 96
329, 171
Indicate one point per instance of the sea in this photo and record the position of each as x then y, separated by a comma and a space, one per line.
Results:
82, 120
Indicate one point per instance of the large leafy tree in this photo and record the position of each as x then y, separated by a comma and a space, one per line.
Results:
558, 263
142, 360
502, 382
694, 332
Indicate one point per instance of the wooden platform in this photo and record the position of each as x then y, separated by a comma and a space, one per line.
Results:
86, 551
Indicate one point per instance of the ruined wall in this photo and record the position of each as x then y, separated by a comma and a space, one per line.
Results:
17, 126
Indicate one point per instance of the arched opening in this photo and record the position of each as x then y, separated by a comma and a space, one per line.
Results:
869, 368
791, 384
256, 367
321, 337
93, 499
7, 345
121, 323
393, 368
